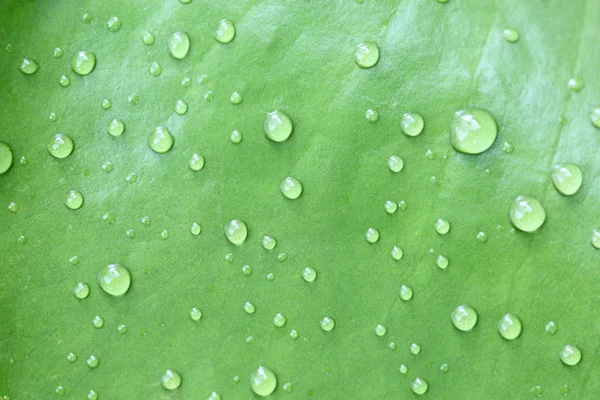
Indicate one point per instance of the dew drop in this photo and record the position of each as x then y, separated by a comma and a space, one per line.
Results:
277, 126
405, 293
419, 386
58, 53
113, 24
236, 137
196, 162
442, 262
114, 279
390, 206
225, 31
507, 147
6, 157
148, 38
249, 308
509, 327
595, 117
576, 83
263, 381
22, 239
165, 234
526, 213
269, 242
327, 324
595, 238
60, 145
115, 127
294, 334
23, 161
372, 115
195, 229
107, 166
131, 178
71, 357
60, 390
366, 55
551, 328
170, 380
98, 322
395, 163
83, 62
570, 355
64, 81
209, 96
161, 140
93, 362
122, 329
411, 124
442, 226
291, 188
195, 314
181, 107
270, 276
402, 205
74, 199
482, 237
372, 235
309, 274
414, 349
567, 178
236, 231
510, 35
397, 253
380, 330
92, 395
109, 217
146, 221
288, 387
28, 66
282, 257
403, 369
179, 45
155, 69
13, 207
472, 130
106, 104
186, 82
444, 368
53, 117
214, 396
130, 233
279, 320
464, 318
236, 98
81, 290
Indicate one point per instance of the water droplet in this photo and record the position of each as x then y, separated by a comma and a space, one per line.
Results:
380, 330
113, 24
9, 49
441, 262
277, 126
536, 391
209, 96
402, 205
567, 178
595, 117
229, 257
133, 99
81, 290
6, 157
196, 162
405, 293
170, 380
565, 390
570, 355
366, 55
131, 178
181, 107
509, 327
390, 206
195, 229
109, 217
107, 166
146, 221
263, 381
60, 390
247, 270
148, 38
442, 226
507, 147
395, 163
13, 207
411, 124
236, 231
93, 362
225, 31
58, 53
249, 308
98, 322
106, 104
595, 238
87, 18
64, 81
83, 62
130, 233
186, 82
60, 145
155, 69
22, 239
288, 387
71, 357
472, 130
444, 368
372, 115
236, 98
74, 199
419, 386
165, 234
53, 117
397, 253
214, 395
403, 369
179, 45
115, 127
282, 257
294, 334
291, 188
576, 83
22, 161
372, 235
269, 242
327, 324
114, 279
309, 274
510, 35
92, 395
464, 318
526, 213
482, 237
236, 379
195, 314
551, 328
236, 137
161, 140
415, 349
279, 320
28, 66
122, 329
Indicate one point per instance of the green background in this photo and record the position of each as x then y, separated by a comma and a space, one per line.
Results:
296, 56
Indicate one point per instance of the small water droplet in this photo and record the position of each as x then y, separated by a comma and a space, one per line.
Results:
236, 98
122, 329
390, 206
9, 49
291, 188
263, 381
269, 242
309, 274
419, 386
366, 55
133, 99
58, 53
195, 314
64, 81
327, 324
277, 126
294, 334
60, 145
570, 355
405, 293
507, 147
444, 368
526, 213
83, 62
109, 217
395, 163
576, 83
415, 349
236, 137
282, 257
247, 270
236, 231
402, 205
131, 178
411, 124
195, 229
595, 238
179, 45
22, 239
113, 24
472, 130
430, 155
403, 369
98, 322
13, 207
464, 318
161, 140
279, 320
397, 253
442, 226
81, 290
170, 380
60, 390
509, 327
196, 162
92, 395
93, 362
551, 328
595, 117
181, 107
225, 31
288, 387
106, 104
146, 221
214, 395
372, 235
71, 357
209, 96
229, 257
114, 279
115, 127
441, 261
28, 66
74, 199
148, 38
567, 178
482, 237
107, 166
380, 330
165, 234
130, 233
53, 117
510, 35
186, 82
155, 69
23, 161
249, 308
372, 115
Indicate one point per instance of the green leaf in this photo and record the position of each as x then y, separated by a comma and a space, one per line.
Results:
297, 57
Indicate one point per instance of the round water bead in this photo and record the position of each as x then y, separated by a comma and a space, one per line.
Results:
510, 35
179, 45
60, 145
509, 327
380, 330
225, 31
115, 127
464, 318
570, 355
83, 62
372, 235
269, 242
277, 126
526, 213
161, 140
236, 231
366, 55
291, 188
81, 290
411, 124
196, 162
263, 381
309, 274
327, 324
419, 386
395, 163
442, 226
567, 178
6, 157
28, 66
114, 279
74, 199
472, 130
405, 293
170, 380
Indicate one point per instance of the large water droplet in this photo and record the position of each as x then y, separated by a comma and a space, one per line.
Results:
442, 226
509, 327
74, 199
6, 157
397, 253
92, 395
196, 162
414, 349
161, 140
195, 314
277, 126
526, 213
236, 231
372, 115
567, 178
366, 55
419, 386
115, 127
464, 318
263, 381
179, 45
98, 322
235, 98
113, 24
372, 235
81, 290
510, 35
441, 261
279, 320
60, 145
170, 380
83, 62
327, 324
380, 330
28, 66
390, 206
411, 124
551, 328
395, 163
195, 229
405, 293
595, 238
472, 130
93, 362
114, 279
225, 31
570, 355
309, 274
291, 188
